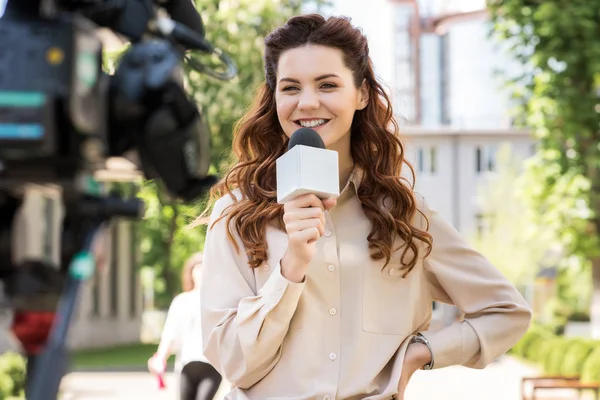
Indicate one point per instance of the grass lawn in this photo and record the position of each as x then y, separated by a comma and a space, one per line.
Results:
132, 356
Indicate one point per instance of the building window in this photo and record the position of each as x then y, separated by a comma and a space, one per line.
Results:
491, 158
532, 149
432, 159
483, 224
485, 158
427, 160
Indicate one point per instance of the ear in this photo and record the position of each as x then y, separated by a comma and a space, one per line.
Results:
363, 96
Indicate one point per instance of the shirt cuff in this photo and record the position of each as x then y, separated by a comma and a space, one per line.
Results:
277, 288
453, 345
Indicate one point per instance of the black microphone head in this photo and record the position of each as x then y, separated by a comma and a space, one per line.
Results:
306, 137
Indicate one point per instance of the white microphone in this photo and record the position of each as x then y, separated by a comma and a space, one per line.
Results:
307, 167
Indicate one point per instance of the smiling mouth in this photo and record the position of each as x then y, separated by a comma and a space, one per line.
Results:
312, 123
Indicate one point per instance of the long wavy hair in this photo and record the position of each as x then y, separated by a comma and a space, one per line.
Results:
387, 197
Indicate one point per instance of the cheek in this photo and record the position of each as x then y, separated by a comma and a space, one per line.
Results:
285, 106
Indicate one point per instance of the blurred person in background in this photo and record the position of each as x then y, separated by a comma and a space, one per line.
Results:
182, 335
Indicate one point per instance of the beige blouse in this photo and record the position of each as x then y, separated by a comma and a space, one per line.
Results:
343, 332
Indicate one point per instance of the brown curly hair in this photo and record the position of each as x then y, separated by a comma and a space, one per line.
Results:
386, 196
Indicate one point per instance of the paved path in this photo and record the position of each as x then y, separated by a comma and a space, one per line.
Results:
499, 381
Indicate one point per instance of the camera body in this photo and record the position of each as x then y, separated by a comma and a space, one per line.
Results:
63, 119
53, 99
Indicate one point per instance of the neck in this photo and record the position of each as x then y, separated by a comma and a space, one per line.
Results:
345, 162
345, 170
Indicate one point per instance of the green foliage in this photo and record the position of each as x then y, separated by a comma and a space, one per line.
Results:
238, 27
529, 344
558, 45
575, 356
509, 226
166, 241
12, 376
591, 367
558, 355
555, 355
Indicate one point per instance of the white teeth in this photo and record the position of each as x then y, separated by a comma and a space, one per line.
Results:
312, 123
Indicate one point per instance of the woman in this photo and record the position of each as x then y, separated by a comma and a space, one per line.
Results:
331, 299
182, 335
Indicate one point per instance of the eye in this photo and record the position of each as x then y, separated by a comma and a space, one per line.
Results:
328, 86
289, 88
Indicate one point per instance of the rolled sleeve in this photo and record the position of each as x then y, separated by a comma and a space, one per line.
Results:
496, 314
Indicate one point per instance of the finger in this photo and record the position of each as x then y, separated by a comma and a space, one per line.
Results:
304, 201
309, 235
303, 213
329, 203
306, 224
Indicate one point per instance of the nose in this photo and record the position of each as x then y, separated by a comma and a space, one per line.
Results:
309, 100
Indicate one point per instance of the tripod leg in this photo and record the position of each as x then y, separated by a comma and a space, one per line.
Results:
51, 365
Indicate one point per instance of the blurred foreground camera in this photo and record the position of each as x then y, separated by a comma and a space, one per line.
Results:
65, 123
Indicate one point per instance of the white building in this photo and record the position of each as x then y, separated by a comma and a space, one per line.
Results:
442, 74
452, 164
455, 109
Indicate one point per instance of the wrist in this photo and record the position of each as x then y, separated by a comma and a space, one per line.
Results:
421, 352
292, 270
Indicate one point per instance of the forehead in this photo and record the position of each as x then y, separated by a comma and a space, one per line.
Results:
311, 61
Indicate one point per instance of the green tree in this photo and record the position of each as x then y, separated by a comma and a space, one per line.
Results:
558, 44
238, 27
509, 225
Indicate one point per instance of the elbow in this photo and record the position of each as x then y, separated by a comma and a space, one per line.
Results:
526, 317
236, 373
238, 368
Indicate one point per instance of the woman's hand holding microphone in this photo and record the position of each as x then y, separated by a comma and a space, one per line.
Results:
304, 219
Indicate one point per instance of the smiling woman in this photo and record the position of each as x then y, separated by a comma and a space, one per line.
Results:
331, 298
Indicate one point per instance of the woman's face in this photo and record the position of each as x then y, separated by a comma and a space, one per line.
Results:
316, 90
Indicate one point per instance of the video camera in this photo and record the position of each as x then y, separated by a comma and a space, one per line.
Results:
63, 120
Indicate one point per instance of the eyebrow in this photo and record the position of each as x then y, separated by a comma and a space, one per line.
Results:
318, 78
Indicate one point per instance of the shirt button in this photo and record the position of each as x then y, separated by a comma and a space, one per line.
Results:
332, 356
392, 272
331, 267
332, 311
267, 268
326, 397
327, 233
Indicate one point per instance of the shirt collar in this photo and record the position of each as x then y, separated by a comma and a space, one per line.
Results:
356, 178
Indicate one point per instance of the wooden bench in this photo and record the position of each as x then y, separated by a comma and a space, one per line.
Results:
543, 378
551, 384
